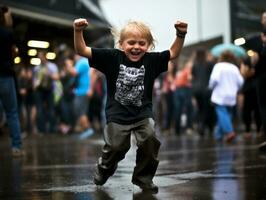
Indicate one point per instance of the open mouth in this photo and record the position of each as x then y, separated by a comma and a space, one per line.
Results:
135, 53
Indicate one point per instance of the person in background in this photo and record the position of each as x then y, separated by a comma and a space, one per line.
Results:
8, 95
258, 44
168, 88
183, 106
97, 100
250, 108
225, 82
44, 77
80, 69
130, 73
201, 71
260, 74
26, 100
66, 110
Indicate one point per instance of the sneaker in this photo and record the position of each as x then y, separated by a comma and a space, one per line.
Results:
16, 152
99, 178
262, 146
86, 134
152, 188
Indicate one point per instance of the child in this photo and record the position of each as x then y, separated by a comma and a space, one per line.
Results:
225, 82
130, 73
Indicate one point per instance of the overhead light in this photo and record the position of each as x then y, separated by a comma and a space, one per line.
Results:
239, 41
250, 53
35, 61
17, 60
51, 55
32, 52
38, 44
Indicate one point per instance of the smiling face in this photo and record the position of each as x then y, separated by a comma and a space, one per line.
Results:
134, 46
135, 39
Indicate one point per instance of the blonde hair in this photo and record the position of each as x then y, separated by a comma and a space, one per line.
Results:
130, 28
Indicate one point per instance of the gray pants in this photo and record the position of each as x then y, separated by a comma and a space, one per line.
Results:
117, 143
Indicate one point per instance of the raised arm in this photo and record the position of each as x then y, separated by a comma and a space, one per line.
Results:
79, 43
181, 30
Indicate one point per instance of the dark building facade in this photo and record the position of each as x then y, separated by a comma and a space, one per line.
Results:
246, 17
51, 20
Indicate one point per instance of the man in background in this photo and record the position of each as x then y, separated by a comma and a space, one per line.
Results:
258, 44
8, 96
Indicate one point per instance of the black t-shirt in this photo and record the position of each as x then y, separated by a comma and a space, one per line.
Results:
260, 67
129, 84
201, 73
255, 43
6, 59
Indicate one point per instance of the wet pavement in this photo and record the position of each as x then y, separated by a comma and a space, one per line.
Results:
61, 167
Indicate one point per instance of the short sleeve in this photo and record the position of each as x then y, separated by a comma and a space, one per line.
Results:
82, 66
103, 58
159, 61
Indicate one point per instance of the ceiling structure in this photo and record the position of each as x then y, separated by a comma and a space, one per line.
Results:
51, 20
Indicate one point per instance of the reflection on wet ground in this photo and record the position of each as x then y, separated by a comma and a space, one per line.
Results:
61, 167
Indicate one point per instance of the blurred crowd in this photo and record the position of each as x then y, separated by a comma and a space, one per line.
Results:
183, 103
46, 96
207, 95
182, 97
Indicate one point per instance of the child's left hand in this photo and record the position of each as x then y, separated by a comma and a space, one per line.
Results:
181, 26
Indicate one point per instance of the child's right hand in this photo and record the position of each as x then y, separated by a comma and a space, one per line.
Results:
80, 24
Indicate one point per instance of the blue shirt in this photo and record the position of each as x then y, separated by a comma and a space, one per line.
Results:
83, 77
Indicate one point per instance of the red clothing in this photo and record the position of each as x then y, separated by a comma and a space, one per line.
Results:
183, 78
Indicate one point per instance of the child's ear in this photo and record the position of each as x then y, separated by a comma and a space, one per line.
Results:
119, 44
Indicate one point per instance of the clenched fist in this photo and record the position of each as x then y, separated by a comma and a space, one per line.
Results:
80, 24
181, 26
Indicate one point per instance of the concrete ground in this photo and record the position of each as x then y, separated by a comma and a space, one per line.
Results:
61, 167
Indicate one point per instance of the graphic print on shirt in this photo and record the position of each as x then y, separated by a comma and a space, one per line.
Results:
130, 85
